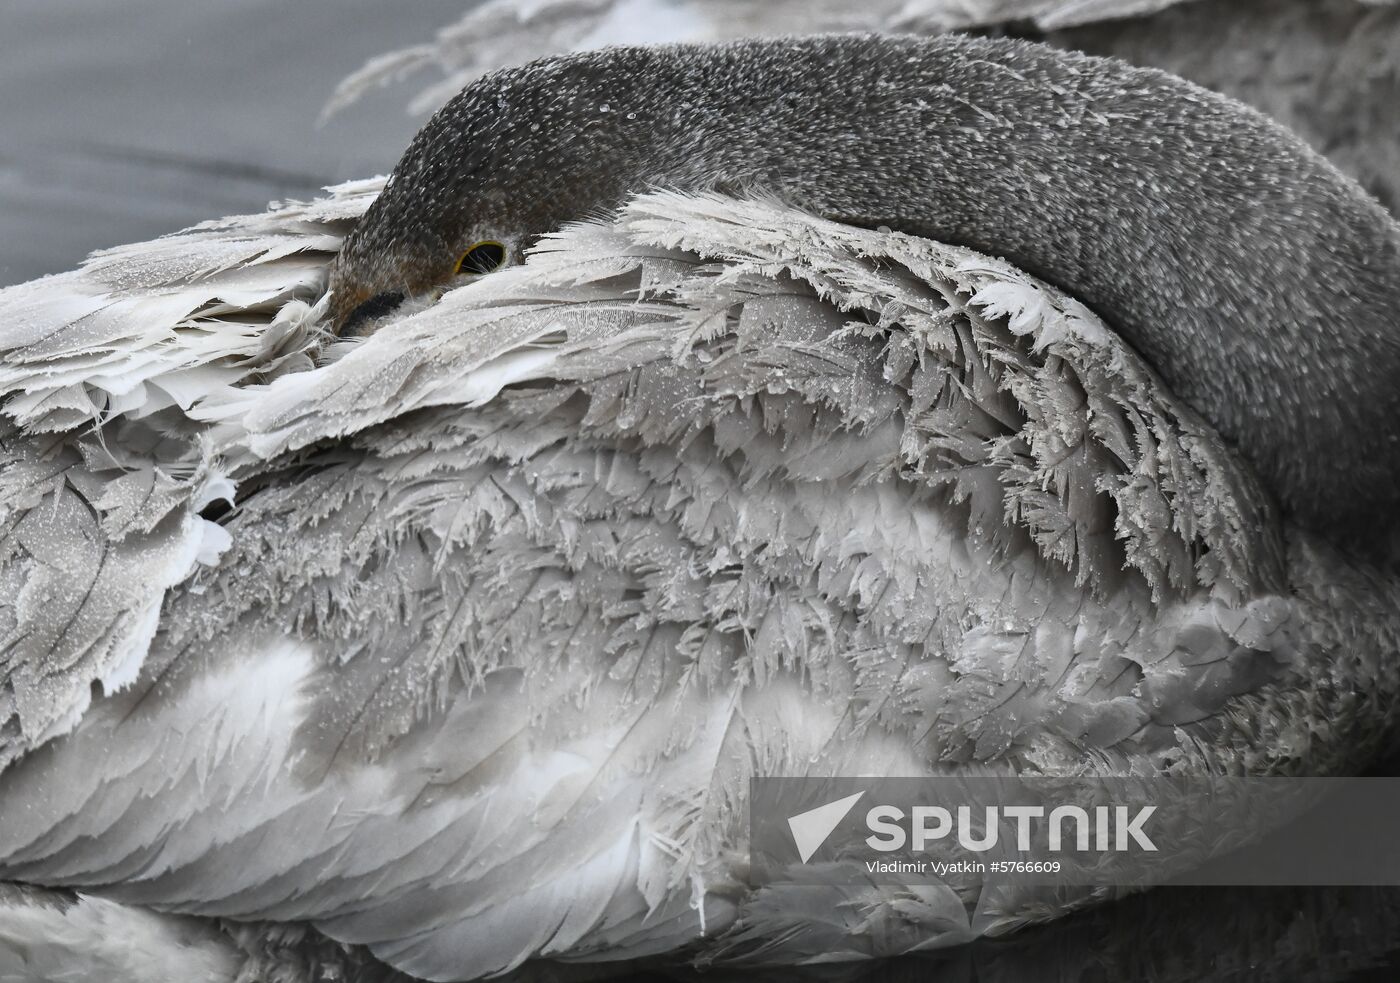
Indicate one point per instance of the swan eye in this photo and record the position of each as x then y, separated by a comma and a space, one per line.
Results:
482, 258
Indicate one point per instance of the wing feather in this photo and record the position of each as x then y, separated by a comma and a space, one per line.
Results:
518, 592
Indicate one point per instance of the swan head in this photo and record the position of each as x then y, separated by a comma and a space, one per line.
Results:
403, 251
514, 155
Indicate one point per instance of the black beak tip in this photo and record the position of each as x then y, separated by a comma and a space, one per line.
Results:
376, 307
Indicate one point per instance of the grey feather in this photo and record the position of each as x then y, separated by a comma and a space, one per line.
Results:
520, 590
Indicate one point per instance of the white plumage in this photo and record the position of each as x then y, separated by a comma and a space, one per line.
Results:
518, 592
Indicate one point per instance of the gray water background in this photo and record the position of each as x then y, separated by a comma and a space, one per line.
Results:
121, 120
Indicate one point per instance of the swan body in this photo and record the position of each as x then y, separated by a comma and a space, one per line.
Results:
517, 592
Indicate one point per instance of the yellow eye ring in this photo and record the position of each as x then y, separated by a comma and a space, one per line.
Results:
483, 257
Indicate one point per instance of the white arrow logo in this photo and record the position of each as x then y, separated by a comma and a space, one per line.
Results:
810, 829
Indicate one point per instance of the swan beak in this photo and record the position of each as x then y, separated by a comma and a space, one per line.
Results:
362, 309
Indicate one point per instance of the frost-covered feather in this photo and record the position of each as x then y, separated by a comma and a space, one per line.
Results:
102, 474
518, 592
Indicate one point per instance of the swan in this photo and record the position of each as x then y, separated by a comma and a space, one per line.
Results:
432, 565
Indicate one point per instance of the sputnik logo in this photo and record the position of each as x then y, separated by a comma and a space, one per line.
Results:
811, 828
